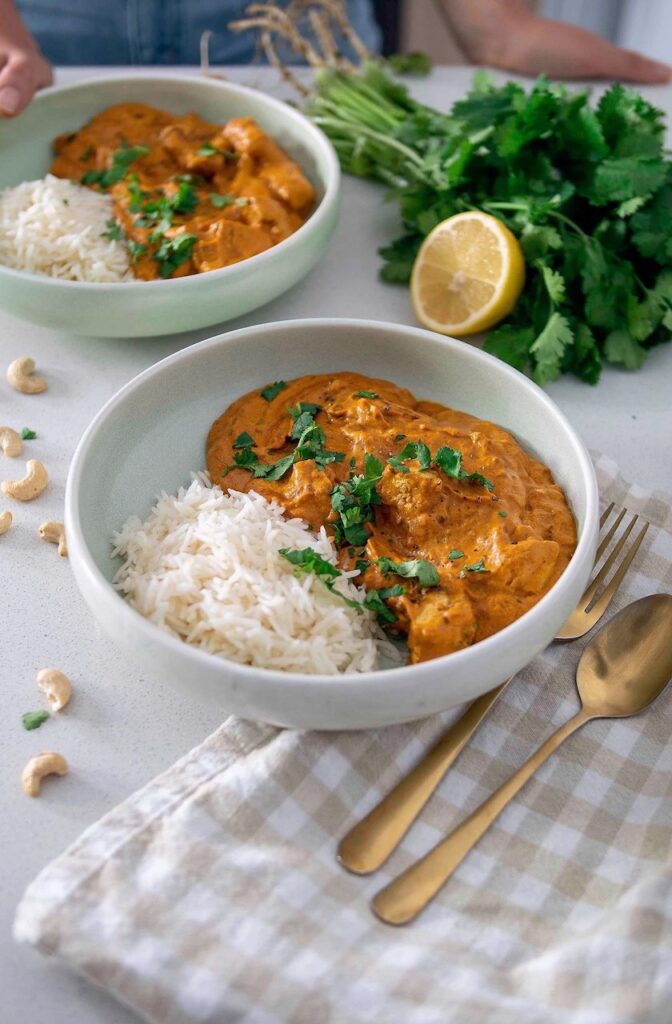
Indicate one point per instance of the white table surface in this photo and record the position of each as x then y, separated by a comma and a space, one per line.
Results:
123, 727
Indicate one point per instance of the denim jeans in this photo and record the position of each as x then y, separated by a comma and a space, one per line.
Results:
153, 31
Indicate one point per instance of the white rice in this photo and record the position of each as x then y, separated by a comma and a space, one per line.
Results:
204, 566
54, 227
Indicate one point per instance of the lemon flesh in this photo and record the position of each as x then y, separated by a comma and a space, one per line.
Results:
468, 274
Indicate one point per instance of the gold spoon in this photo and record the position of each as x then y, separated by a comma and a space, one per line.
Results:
623, 669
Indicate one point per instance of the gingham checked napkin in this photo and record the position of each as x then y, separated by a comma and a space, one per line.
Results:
213, 895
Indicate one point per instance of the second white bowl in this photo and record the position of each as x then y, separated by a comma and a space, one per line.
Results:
151, 436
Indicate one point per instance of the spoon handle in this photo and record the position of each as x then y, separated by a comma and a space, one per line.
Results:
410, 892
372, 840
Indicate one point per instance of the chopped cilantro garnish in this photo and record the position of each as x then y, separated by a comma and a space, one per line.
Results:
34, 719
362, 564
375, 602
135, 249
354, 500
425, 573
114, 232
27, 434
308, 560
303, 415
220, 201
366, 394
450, 461
276, 470
172, 253
455, 554
207, 149
245, 458
400, 437
244, 441
476, 567
413, 450
502, 513
87, 154
273, 390
117, 171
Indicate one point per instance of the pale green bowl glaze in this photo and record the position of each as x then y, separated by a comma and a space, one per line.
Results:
142, 308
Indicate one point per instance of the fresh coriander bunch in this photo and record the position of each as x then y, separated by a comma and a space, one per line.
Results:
587, 191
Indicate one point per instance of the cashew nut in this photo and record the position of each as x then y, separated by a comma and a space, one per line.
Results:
10, 442
32, 484
55, 686
5, 522
48, 763
20, 376
54, 533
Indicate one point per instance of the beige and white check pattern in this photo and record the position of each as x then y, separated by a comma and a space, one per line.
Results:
213, 895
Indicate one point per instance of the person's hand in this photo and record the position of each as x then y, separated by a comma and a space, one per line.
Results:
23, 69
506, 34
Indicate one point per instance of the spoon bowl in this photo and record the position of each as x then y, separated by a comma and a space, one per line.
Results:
629, 663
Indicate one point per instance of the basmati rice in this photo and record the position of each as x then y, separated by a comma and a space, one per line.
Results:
55, 227
204, 566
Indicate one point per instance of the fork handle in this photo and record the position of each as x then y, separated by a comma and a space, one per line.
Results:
410, 892
372, 840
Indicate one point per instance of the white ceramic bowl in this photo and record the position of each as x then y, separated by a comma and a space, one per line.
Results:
151, 435
141, 308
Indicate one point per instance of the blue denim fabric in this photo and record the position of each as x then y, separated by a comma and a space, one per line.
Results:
153, 31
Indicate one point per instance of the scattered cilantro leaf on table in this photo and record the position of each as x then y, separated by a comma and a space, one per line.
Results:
34, 719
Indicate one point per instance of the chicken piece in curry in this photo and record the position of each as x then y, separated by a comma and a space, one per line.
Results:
188, 196
455, 529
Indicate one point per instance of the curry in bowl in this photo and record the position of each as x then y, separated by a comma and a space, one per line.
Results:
452, 529
188, 196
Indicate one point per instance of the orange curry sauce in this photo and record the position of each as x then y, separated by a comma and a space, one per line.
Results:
232, 191
520, 535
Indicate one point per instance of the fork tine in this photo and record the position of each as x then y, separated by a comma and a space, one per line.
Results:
607, 540
589, 594
605, 515
604, 600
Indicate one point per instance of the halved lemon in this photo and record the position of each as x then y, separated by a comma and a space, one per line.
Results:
468, 274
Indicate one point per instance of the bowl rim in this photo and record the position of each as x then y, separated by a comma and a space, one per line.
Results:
382, 680
319, 142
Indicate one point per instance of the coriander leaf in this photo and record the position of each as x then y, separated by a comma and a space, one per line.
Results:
245, 458
276, 470
554, 283
400, 437
502, 513
171, 254
135, 249
366, 394
362, 564
450, 461
618, 178
414, 63
27, 434
425, 572
272, 391
311, 407
308, 560
621, 348
549, 347
414, 450
114, 232
87, 154
220, 201
244, 441
511, 344
34, 719
476, 567
375, 602
455, 554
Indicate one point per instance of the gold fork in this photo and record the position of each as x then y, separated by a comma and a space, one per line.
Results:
372, 840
